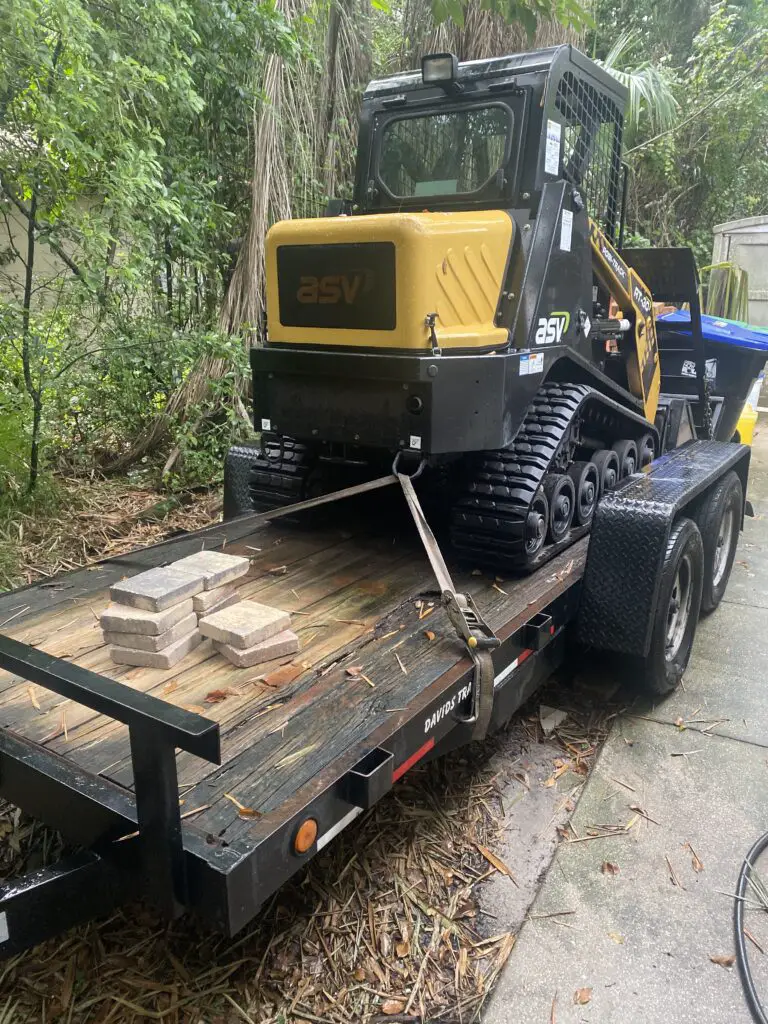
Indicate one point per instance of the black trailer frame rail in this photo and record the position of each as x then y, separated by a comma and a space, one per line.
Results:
137, 845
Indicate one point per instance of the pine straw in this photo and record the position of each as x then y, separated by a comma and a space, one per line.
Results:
99, 519
384, 925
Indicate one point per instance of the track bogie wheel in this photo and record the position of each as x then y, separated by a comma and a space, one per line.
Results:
607, 462
536, 524
561, 495
646, 451
586, 482
627, 453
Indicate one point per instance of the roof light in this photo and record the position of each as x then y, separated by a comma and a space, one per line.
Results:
439, 68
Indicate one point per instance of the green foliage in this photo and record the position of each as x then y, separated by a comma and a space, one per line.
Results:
528, 13
123, 148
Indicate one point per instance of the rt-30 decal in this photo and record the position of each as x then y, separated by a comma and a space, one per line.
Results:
446, 708
551, 329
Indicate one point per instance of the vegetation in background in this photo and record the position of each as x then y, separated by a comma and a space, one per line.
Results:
146, 148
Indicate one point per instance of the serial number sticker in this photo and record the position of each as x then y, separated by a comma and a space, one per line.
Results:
415, 442
566, 231
446, 708
266, 424
552, 151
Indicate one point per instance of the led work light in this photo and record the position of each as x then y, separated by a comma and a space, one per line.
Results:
439, 68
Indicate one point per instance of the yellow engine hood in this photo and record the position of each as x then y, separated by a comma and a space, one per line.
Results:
371, 280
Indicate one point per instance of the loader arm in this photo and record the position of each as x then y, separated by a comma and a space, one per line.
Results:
642, 354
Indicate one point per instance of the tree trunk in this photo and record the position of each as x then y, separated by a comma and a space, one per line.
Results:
35, 393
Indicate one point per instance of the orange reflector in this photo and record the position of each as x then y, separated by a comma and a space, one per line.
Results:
305, 836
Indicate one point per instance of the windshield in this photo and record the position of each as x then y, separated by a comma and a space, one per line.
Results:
444, 153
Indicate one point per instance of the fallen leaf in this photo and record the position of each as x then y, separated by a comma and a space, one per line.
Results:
354, 670
198, 709
550, 718
582, 996
494, 861
696, 863
403, 948
609, 869
723, 960
390, 1006
278, 570
359, 974
244, 812
217, 696
429, 634
616, 937
283, 675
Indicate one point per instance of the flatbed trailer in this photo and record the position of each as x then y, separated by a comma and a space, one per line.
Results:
205, 787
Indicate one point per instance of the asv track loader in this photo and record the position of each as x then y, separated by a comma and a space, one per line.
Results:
456, 311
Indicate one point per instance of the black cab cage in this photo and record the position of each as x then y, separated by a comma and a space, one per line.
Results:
567, 118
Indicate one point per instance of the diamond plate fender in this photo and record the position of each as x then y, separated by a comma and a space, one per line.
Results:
629, 537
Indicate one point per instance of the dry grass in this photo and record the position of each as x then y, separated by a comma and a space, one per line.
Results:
384, 925
95, 519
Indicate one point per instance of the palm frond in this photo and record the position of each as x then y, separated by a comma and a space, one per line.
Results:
650, 88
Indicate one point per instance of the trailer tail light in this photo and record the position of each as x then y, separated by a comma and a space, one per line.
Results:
306, 835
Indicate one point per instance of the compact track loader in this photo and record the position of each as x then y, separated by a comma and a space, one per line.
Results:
456, 311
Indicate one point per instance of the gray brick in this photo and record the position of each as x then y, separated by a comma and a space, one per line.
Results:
276, 647
157, 589
119, 618
244, 624
138, 642
157, 659
211, 599
215, 567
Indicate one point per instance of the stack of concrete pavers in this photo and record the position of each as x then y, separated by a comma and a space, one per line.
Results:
219, 571
249, 633
153, 621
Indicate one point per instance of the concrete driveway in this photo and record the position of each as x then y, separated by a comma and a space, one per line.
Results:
626, 925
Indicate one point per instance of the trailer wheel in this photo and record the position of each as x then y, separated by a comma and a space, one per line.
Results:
718, 520
677, 611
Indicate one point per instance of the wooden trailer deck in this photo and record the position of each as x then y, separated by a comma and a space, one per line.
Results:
354, 599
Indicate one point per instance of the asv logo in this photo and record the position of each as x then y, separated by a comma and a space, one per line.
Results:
552, 328
330, 289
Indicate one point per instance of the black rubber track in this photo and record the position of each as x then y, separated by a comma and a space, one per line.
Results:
279, 475
488, 520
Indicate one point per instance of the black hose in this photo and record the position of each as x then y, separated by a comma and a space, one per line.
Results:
750, 992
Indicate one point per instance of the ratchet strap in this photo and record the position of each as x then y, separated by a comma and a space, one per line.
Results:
465, 617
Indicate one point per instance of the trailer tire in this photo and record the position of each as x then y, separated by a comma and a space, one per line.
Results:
719, 521
677, 612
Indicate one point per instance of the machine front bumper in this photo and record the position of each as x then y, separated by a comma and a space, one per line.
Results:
435, 404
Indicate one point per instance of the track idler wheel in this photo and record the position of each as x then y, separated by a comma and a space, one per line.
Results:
646, 451
607, 463
627, 453
586, 482
536, 525
561, 495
